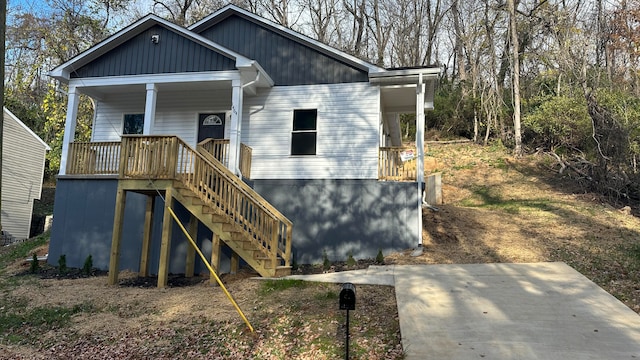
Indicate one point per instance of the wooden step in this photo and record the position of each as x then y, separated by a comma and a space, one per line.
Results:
208, 210
186, 193
220, 219
236, 236
248, 245
229, 227
196, 201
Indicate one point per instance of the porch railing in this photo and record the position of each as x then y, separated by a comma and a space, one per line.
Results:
397, 163
168, 157
245, 160
219, 148
94, 158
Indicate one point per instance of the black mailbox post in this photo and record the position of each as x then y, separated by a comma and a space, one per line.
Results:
347, 302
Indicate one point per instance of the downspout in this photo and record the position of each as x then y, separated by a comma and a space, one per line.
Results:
420, 149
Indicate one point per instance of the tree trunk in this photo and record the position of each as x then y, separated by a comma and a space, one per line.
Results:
516, 78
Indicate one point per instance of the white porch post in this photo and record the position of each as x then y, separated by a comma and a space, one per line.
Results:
420, 150
73, 99
235, 131
150, 109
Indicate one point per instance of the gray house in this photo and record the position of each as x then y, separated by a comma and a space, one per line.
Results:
23, 155
268, 146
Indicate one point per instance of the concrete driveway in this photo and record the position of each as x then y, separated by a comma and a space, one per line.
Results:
502, 311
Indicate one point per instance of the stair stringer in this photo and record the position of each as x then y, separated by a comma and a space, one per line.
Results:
225, 228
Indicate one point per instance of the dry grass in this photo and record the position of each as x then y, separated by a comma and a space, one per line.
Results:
497, 209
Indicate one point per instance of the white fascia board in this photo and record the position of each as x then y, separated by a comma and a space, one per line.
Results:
229, 75
15, 118
404, 76
62, 72
349, 59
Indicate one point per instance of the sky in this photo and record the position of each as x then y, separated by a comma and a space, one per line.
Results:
31, 6
40, 7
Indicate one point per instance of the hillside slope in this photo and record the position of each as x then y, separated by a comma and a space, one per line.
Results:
500, 209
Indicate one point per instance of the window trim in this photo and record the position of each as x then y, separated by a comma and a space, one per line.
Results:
305, 131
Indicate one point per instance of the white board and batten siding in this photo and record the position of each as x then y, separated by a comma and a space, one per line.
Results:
347, 131
176, 113
23, 158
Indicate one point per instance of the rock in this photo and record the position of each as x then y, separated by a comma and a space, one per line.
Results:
626, 210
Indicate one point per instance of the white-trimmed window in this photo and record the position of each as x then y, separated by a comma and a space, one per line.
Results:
133, 124
303, 136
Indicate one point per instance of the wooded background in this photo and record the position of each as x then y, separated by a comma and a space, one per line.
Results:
558, 77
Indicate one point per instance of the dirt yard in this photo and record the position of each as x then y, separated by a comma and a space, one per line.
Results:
496, 209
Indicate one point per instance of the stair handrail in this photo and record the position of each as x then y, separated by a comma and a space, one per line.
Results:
262, 201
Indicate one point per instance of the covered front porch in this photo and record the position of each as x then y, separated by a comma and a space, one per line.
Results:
162, 107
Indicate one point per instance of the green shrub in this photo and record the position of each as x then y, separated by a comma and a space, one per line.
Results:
326, 263
62, 265
557, 122
35, 264
88, 265
379, 257
350, 260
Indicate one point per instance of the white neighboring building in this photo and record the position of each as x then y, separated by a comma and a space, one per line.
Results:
23, 159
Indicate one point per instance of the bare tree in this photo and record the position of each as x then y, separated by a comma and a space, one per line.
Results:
357, 11
516, 77
175, 10
380, 26
322, 14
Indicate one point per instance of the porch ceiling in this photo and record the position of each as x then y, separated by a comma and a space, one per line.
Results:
398, 88
402, 98
398, 98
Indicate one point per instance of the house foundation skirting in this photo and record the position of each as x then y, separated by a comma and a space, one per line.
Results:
336, 217
83, 226
342, 217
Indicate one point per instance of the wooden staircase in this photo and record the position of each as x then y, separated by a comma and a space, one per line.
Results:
243, 220
255, 231
246, 244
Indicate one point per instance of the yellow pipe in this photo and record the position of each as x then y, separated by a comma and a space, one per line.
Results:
213, 272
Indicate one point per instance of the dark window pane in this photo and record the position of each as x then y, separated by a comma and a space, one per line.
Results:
304, 119
303, 143
133, 124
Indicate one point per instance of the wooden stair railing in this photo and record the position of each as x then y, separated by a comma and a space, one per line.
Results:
261, 234
219, 148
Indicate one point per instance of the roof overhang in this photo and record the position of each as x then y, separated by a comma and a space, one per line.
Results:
398, 88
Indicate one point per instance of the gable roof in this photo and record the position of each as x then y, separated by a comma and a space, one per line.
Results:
231, 9
25, 127
63, 72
